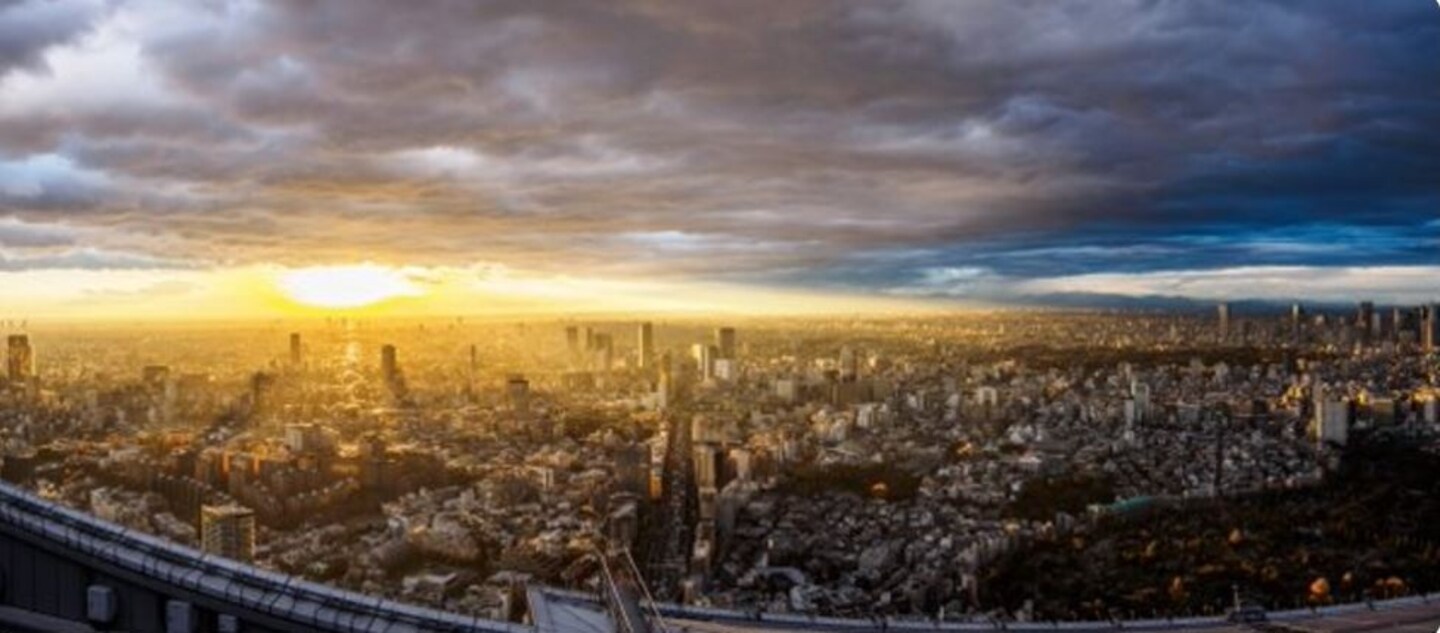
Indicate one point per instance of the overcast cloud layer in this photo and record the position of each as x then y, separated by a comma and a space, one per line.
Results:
978, 149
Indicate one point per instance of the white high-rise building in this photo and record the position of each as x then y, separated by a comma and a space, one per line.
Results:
725, 369
788, 389
987, 396
1140, 392
1331, 424
704, 360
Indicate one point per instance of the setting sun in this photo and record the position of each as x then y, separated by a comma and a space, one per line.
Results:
346, 286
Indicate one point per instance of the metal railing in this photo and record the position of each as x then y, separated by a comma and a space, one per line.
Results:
244, 587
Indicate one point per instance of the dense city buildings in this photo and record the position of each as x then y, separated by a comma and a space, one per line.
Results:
882, 466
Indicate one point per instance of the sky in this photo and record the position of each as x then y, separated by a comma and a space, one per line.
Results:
185, 158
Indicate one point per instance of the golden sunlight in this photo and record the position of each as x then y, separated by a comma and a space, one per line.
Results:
345, 286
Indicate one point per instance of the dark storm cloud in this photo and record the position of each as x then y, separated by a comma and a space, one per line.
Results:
28, 27
860, 144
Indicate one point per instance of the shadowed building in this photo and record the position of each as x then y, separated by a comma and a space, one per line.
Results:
518, 389
20, 362
295, 354
725, 343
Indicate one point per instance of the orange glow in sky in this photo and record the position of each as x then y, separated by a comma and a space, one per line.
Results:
346, 286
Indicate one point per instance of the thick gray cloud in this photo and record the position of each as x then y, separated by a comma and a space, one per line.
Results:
83, 259
863, 144
28, 27
15, 234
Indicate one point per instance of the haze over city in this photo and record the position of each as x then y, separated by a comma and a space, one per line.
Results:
666, 316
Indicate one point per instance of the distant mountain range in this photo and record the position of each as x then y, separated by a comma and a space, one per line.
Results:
1168, 303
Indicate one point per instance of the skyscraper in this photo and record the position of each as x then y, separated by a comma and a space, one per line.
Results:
389, 364
518, 389
572, 339
665, 384
229, 531
849, 365
1297, 315
632, 468
646, 345
295, 349
1365, 318
707, 466
1430, 327
705, 360
1140, 392
725, 343
261, 384
1223, 311
21, 359
604, 352
1332, 419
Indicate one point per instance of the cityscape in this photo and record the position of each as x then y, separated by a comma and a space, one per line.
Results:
922, 467
673, 316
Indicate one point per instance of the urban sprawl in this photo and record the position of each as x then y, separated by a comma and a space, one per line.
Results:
924, 466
